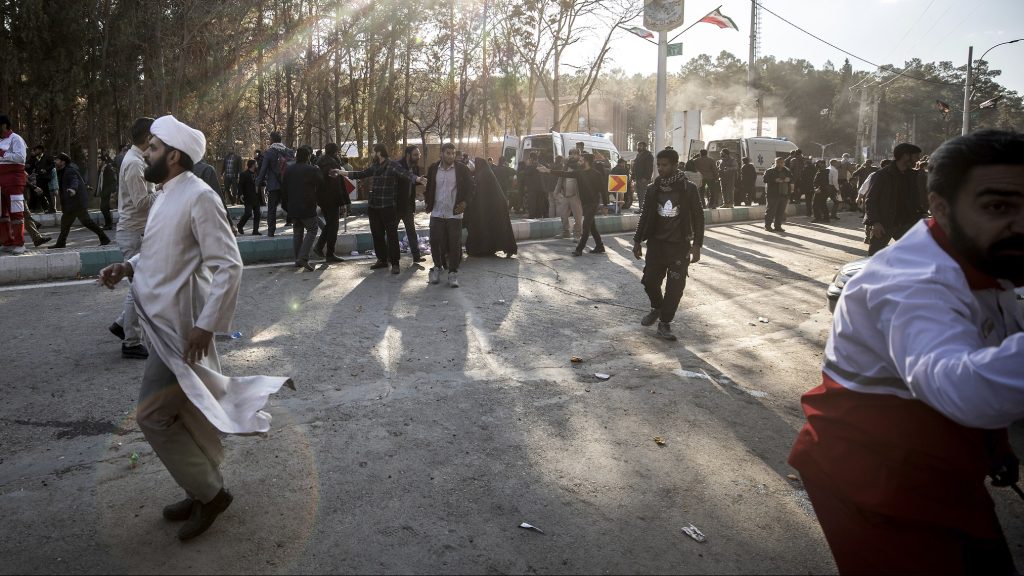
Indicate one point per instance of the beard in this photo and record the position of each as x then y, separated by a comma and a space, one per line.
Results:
994, 259
157, 173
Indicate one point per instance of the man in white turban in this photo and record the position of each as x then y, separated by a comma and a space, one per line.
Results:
185, 280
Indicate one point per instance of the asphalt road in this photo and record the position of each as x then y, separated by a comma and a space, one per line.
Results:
429, 422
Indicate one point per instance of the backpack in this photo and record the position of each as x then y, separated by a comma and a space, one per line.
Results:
284, 160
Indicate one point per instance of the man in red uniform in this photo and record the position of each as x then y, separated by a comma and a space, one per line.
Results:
923, 373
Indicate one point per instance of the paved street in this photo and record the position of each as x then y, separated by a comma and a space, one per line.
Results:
430, 422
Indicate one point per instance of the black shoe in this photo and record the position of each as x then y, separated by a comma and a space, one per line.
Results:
650, 318
418, 258
331, 259
137, 352
179, 511
104, 240
240, 231
270, 235
318, 252
577, 253
778, 229
395, 269
258, 233
379, 264
768, 229
57, 247
42, 240
117, 330
665, 332
203, 515
598, 250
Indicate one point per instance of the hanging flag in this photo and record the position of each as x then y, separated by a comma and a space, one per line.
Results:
942, 106
647, 34
991, 103
718, 19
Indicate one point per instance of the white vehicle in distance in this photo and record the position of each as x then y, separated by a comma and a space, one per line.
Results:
554, 144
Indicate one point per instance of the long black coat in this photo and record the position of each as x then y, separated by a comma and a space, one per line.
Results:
487, 219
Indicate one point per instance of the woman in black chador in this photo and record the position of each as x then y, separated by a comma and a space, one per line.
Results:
487, 219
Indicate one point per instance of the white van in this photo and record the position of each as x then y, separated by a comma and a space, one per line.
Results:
554, 144
761, 151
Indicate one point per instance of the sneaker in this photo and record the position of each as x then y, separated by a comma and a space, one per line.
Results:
650, 318
42, 240
104, 240
137, 352
453, 279
203, 515
395, 269
378, 265
665, 332
434, 276
117, 330
19, 250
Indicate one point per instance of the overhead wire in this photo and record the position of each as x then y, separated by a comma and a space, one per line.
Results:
885, 68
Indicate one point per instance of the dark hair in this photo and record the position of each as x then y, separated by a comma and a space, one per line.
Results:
409, 150
447, 146
5, 120
63, 158
140, 129
642, 143
250, 163
950, 165
185, 161
38, 147
746, 159
588, 158
382, 149
703, 152
302, 154
331, 148
275, 136
726, 152
904, 149
671, 155
534, 156
885, 163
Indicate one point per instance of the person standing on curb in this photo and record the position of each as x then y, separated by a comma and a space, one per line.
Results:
250, 198
301, 182
643, 170
135, 196
331, 197
727, 169
407, 202
449, 190
186, 281
672, 224
777, 181
593, 190
748, 181
273, 164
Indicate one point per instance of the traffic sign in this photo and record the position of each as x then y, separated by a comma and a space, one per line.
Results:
618, 183
675, 49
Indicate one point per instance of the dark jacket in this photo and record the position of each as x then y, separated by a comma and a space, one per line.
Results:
531, 181
748, 176
301, 182
463, 184
247, 187
332, 194
643, 165
770, 185
690, 212
269, 165
406, 201
71, 178
208, 174
623, 171
892, 200
593, 185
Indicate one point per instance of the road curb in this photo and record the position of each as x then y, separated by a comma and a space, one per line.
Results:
39, 267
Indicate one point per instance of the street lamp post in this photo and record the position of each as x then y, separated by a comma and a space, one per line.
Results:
823, 148
969, 81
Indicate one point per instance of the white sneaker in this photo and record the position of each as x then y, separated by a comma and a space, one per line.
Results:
434, 276
18, 250
453, 279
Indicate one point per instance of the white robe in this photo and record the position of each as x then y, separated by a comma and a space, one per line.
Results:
186, 275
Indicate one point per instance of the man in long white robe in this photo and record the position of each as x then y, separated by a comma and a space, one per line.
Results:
185, 282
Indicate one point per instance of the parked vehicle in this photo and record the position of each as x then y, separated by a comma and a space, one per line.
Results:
761, 151
554, 144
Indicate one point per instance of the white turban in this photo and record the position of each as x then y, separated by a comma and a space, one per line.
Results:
179, 135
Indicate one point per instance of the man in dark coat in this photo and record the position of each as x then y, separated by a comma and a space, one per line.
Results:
891, 205
531, 185
748, 180
487, 219
270, 175
74, 202
407, 201
331, 197
250, 198
593, 191
643, 170
301, 181
777, 182
672, 223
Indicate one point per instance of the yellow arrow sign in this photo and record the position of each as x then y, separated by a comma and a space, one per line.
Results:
618, 183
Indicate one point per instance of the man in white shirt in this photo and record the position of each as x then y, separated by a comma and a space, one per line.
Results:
923, 373
186, 280
449, 188
134, 198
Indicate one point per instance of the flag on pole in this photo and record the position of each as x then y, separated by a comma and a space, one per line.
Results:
646, 34
718, 19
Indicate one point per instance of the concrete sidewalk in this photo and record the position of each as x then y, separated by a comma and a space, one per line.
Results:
83, 257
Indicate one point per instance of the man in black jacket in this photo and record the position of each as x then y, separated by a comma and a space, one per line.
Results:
449, 190
748, 180
301, 181
891, 201
74, 202
331, 197
777, 183
643, 170
407, 201
271, 175
250, 198
672, 223
593, 191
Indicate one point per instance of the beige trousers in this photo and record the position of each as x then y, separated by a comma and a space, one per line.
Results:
186, 442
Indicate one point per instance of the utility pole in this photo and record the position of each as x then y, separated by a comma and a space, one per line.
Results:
486, 127
860, 123
967, 92
874, 126
451, 73
760, 114
659, 109
751, 62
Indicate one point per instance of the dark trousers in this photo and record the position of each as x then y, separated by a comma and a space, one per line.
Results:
589, 228
409, 220
67, 218
46, 198
671, 260
329, 235
820, 207
878, 242
538, 200
775, 213
446, 243
274, 199
303, 237
384, 228
745, 194
108, 218
231, 188
252, 210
